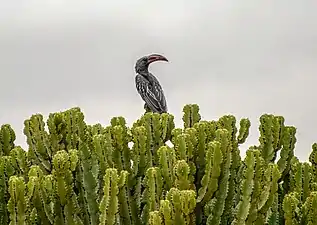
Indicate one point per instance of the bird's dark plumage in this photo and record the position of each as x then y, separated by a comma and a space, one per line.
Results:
148, 86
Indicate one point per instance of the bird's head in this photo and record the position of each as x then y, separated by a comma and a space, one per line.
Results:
143, 63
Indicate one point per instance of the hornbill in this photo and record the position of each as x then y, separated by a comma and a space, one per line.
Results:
148, 86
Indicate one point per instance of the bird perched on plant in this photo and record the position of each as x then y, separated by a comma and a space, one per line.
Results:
148, 86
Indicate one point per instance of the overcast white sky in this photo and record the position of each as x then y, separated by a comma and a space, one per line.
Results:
231, 57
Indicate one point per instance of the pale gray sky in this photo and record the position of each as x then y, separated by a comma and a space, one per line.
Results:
240, 57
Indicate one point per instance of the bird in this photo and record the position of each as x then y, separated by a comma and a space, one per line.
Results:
148, 86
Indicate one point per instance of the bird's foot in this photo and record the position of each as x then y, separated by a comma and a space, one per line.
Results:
147, 109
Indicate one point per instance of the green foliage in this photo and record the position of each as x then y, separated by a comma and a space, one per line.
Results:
75, 173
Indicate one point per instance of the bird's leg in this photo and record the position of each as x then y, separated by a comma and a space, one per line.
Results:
147, 109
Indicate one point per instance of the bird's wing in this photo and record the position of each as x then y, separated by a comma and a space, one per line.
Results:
153, 94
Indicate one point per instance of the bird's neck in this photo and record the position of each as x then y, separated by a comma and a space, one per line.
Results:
145, 72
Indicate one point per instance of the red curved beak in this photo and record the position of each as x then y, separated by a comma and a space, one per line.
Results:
156, 57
